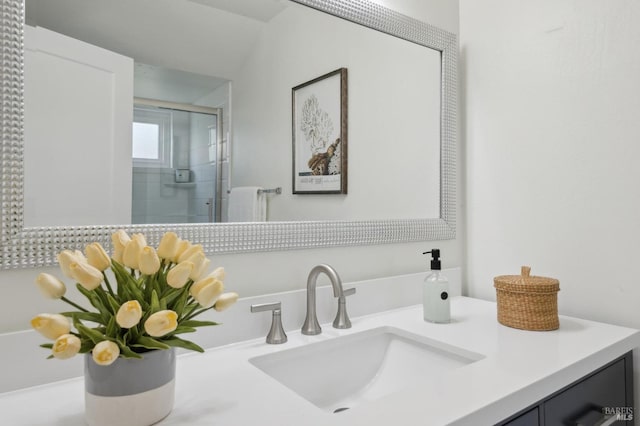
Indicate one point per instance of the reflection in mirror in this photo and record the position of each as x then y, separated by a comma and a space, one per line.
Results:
175, 159
78, 118
393, 108
32, 245
180, 181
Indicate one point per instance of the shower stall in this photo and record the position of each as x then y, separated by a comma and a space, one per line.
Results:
177, 154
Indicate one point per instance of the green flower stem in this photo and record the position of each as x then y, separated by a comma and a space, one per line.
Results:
168, 290
157, 282
167, 266
106, 281
188, 310
102, 295
64, 299
195, 314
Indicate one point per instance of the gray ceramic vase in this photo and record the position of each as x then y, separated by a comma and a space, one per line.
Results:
130, 392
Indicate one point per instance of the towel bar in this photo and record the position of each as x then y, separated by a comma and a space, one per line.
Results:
277, 190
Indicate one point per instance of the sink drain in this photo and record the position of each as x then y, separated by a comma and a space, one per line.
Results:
338, 410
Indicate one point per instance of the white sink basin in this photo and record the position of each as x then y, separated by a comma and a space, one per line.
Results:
340, 373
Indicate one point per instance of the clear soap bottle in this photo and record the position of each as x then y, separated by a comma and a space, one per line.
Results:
435, 292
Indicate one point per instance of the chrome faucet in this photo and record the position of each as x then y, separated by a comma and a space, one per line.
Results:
311, 325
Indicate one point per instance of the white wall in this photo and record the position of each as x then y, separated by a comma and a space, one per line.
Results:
551, 131
260, 273
393, 118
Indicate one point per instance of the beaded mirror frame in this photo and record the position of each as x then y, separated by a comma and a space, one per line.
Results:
22, 247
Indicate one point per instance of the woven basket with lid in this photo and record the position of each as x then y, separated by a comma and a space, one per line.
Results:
527, 302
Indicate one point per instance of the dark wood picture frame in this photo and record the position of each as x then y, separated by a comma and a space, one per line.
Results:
319, 134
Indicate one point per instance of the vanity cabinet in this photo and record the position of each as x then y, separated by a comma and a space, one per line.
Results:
586, 402
530, 418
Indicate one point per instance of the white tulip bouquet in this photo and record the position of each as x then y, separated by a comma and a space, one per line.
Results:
157, 295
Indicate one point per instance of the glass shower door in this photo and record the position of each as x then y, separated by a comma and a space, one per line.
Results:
176, 165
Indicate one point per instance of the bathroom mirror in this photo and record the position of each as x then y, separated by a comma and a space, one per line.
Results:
278, 51
33, 246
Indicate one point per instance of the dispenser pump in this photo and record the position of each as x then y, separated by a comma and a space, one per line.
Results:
435, 259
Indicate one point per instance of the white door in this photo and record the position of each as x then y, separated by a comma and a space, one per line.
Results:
78, 118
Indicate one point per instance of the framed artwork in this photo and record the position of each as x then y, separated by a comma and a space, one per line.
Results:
319, 129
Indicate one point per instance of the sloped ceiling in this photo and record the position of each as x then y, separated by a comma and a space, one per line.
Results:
254, 9
205, 37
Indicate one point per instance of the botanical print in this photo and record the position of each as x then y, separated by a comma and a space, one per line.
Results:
318, 127
319, 123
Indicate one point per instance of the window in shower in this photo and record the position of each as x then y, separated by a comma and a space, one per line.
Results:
146, 138
152, 130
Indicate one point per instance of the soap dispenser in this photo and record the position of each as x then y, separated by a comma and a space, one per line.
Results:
435, 294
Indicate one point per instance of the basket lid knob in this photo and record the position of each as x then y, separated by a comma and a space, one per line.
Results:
525, 271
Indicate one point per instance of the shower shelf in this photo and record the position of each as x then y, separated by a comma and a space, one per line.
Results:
181, 185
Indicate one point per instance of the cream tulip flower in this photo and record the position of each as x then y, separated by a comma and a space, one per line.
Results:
66, 346
131, 255
129, 314
65, 259
149, 261
206, 291
219, 273
178, 276
80, 256
119, 239
161, 323
193, 249
204, 267
50, 286
198, 260
97, 256
168, 246
105, 352
141, 239
225, 300
183, 245
51, 326
85, 274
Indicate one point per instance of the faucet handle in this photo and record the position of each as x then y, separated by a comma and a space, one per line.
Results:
342, 318
276, 333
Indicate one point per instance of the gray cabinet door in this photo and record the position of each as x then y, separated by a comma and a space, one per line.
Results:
530, 418
603, 390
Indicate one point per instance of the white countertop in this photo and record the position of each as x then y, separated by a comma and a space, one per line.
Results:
220, 387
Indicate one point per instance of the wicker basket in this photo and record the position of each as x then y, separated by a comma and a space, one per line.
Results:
527, 302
